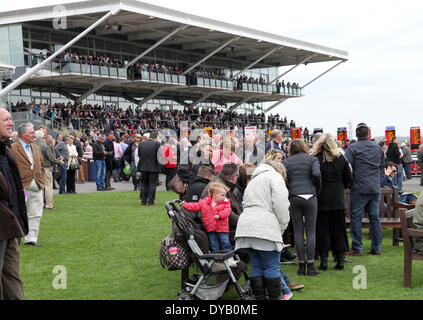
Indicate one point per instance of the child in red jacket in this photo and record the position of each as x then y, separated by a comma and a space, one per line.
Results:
215, 210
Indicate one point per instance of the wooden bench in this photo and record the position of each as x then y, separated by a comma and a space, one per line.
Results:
409, 255
389, 218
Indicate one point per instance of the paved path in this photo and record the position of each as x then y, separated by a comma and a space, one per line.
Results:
87, 187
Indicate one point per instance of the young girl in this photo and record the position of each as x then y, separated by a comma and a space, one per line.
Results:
215, 210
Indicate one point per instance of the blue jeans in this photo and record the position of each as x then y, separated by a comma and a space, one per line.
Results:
359, 201
265, 263
100, 166
62, 177
219, 241
284, 280
397, 179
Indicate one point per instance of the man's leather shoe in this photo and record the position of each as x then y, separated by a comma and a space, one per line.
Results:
100, 189
374, 253
353, 253
50, 208
32, 243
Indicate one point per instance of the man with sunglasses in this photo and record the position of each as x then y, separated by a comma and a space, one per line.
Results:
390, 171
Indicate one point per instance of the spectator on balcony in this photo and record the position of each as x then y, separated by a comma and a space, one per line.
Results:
278, 86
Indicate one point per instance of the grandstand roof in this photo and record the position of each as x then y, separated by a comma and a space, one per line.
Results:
6, 69
198, 38
147, 23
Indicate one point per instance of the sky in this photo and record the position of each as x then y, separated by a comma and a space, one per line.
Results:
381, 82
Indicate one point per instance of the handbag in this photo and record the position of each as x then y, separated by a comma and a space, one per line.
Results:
177, 185
74, 165
173, 256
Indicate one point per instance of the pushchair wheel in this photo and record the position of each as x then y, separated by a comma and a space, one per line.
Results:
184, 296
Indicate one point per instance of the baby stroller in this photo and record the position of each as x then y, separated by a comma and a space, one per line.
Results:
215, 273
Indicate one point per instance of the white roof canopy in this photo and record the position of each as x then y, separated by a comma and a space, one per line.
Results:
146, 23
6, 69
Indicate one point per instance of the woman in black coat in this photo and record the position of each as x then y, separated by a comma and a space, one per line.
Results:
331, 233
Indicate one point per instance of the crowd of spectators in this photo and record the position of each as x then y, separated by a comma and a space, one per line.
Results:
86, 59
135, 70
107, 117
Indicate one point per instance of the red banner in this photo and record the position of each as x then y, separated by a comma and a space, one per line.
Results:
295, 133
415, 139
342, 134
389, 134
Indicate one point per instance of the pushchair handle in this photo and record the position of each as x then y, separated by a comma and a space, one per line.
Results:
168, 209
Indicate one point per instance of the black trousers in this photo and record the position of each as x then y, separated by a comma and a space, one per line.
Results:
331, 233
148, 187
70, 181
107, 177
170, 173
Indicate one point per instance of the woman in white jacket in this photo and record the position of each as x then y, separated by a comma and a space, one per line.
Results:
73, 164
260, 227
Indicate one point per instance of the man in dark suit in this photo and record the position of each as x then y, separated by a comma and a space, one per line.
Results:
148, 165
275, 142
13, 217
109, 158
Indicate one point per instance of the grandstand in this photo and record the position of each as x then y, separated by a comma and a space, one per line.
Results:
131, 53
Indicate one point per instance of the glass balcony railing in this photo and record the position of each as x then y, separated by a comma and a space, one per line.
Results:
158, 77
78, 67
115, 72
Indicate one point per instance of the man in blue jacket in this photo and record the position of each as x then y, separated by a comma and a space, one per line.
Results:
367, 160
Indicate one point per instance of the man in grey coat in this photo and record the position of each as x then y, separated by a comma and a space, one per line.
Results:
49, 161
406, 159
62, 149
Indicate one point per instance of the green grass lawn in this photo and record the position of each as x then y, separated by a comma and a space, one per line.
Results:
109, 246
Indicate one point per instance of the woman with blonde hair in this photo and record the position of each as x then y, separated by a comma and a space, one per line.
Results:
274, 155
336, 176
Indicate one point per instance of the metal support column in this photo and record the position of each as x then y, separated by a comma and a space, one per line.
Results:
155, 45
152, 95
275, 105
303, 61
27, 75
212, 54
93, 90
257, 61
203, 97
236, 105
322, 74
